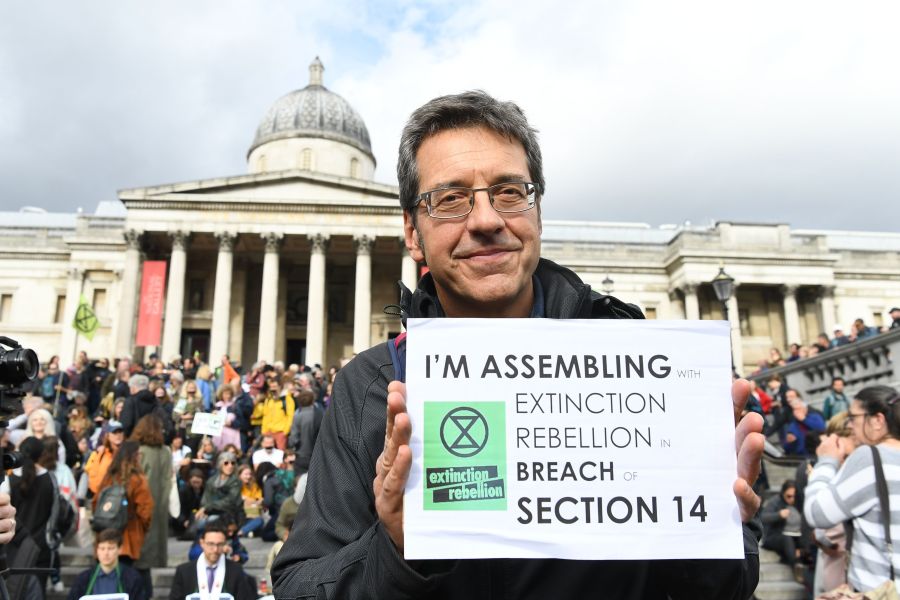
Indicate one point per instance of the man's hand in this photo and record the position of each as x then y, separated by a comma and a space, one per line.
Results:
748, 443
7, 520
392, 469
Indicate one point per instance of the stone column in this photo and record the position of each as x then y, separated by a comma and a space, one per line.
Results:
171, 340
362, 307
826, 302
268, 311
68, 343
130, 290
791, 315
734, 319
315, 312
218, 336
691, 304
409, 273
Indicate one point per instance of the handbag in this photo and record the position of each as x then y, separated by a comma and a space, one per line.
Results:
887, 590
174, 498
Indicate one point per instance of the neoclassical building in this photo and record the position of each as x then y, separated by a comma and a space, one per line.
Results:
296, 259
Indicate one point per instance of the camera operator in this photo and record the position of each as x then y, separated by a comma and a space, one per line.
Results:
7, 519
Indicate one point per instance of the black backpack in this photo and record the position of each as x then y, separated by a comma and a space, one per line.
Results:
62, 517
112, 509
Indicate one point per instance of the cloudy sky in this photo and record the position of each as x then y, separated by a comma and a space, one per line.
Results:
649, 111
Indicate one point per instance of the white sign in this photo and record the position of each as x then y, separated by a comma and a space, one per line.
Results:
208, 424
576, 439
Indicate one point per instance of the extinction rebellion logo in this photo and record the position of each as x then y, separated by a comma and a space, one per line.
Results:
465, 456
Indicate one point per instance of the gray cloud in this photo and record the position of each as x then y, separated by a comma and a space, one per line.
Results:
649, 111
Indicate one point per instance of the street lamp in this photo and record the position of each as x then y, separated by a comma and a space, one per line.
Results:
607, 285
723, 285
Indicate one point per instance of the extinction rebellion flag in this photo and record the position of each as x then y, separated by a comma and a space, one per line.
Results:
85, 322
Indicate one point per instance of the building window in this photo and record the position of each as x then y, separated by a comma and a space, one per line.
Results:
195, 297
99, 301
354, 168
5, 307
60, 311
877, 319
306, 159
650, 312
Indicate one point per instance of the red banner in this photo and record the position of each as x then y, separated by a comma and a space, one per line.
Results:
153, 297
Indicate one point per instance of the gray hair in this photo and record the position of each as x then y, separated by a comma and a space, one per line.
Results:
139, 382
176, 375
469, 109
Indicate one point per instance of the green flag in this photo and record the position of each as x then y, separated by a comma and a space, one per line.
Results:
86, 322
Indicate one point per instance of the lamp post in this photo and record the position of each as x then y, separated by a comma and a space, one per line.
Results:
723, 285
607, 285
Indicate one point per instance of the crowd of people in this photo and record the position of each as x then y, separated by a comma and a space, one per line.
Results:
110, 462
814, 515
858, 332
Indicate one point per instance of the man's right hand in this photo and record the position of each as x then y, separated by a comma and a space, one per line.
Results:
392, 469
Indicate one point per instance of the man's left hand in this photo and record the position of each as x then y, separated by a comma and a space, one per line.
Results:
748, 443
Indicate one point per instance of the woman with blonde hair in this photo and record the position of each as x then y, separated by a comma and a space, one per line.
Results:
40, 424
190, 402
206, 383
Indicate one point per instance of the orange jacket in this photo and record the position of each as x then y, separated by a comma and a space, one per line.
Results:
140, 511
97, 466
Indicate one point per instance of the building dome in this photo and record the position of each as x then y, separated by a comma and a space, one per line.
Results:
313, 112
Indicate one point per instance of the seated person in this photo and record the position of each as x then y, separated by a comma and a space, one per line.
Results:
109, 576
190, 497
234, 549
781, 524
211, 573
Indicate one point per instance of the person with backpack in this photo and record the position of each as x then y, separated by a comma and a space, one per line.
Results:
277, 413
156, 462
109, 576
65, 508
32, 491
124, 502
113, 434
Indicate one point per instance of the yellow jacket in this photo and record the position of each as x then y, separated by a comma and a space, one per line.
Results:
278, 414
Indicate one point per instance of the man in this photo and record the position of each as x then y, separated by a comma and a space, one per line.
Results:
836, 401
277, 413
140, 402
108, 576
799, 420
7, 519
268, 453
482, 246
211, 573
839, 339
305, 429
895, 315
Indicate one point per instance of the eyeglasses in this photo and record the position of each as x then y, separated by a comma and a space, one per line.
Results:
454, 202
851, 416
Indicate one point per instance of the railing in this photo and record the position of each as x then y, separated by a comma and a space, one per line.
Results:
861, 364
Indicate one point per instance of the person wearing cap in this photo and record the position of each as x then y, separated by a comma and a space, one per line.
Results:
895, 315
100, 459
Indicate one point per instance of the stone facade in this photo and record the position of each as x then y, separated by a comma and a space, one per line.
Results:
296, 260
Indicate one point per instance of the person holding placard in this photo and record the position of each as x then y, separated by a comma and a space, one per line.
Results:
471, 184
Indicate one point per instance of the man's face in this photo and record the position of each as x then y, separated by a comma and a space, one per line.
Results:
197, 483
107, 554
213, 546
793, 399
482, 263
838, 386
268, 444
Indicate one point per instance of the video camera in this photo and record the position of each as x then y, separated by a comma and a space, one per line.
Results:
18, 367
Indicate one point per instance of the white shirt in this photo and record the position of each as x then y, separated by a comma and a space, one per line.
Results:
276, 457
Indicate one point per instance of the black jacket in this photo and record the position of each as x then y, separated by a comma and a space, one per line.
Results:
237, 582
141, 404
132, 584
338, 548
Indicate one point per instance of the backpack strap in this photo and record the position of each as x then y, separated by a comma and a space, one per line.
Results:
884, 501
397, 349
